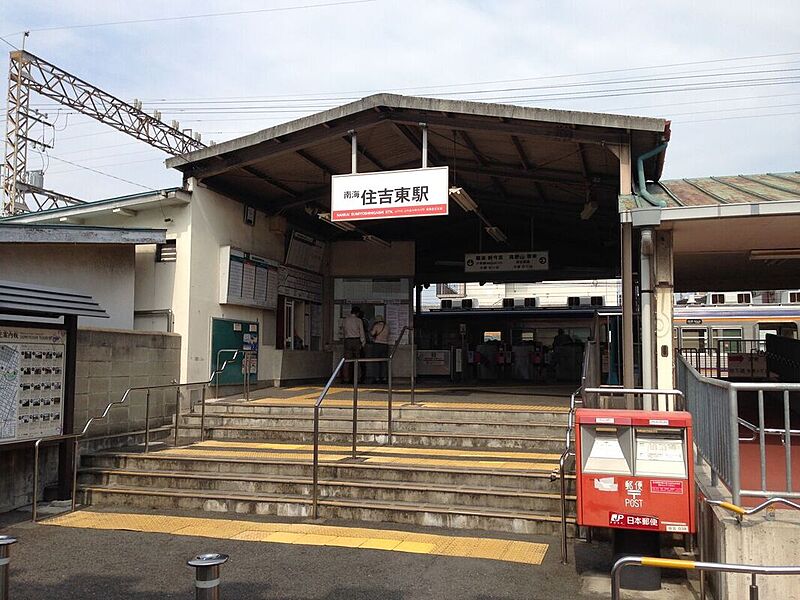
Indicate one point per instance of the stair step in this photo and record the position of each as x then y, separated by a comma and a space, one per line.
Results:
259, 486
434, 439
459, 517
464, 474
404, 424
401, 410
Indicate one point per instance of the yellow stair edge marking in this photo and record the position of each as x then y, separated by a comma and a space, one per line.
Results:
372, 460
307, 534
310, 400
366, 450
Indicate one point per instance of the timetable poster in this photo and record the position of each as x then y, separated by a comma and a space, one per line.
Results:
31, 382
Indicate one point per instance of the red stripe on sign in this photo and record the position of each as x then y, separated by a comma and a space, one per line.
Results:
389, 212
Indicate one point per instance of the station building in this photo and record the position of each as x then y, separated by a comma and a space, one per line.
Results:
254, 257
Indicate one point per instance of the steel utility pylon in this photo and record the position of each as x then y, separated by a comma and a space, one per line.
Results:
28, 73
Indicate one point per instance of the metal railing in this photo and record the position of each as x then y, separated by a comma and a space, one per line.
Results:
247, 356
714, 405
739, 511
588, 373
79, 437
714, 361
356, 366
669, 563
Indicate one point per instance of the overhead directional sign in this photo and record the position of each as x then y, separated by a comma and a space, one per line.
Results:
494, 262
390, 194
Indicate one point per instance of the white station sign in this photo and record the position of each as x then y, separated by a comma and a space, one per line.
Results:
390, 194
492, 262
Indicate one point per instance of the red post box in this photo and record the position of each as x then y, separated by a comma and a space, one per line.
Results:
634, 470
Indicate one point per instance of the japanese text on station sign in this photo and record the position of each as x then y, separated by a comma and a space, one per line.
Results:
390, 194
506, 261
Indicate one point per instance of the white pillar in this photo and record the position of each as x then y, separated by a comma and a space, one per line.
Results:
663, 282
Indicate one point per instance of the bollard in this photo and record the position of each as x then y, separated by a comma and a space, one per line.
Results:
5, 543
206, 581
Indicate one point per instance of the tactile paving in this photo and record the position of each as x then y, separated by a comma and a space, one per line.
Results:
308, 534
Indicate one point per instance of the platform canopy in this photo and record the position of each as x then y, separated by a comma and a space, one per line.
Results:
730, 233
532, 172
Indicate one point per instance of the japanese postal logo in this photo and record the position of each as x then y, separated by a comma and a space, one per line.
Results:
634, 491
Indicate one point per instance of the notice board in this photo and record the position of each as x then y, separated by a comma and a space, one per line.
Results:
31, 382
227, 334
247, 279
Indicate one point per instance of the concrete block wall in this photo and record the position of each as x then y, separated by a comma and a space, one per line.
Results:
109, 362
16, 474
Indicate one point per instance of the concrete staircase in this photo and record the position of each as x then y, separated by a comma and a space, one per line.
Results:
483, 468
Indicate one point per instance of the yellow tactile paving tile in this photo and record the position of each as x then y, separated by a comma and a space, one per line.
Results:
309, 401
308, 534
368, 450
374, 460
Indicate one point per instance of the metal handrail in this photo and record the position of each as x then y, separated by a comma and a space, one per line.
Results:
755, 429
324, 393
741, 511
245, 368
315, 459
565, 455
78, 437
724, 460
54, 438
670, 563
621, 391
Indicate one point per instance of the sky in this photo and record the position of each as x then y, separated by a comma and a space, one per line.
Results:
734, 109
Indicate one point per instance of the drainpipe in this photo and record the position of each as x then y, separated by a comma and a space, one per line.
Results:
640, 176
645, 280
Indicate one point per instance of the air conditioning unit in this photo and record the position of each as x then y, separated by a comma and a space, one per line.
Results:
447, 305
596, 301
573, 301
508, 302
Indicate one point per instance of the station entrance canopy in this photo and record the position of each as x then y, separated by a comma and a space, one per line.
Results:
728, 233
532, 172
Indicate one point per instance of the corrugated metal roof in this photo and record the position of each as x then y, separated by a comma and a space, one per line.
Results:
35, 300
734, 189
140, 198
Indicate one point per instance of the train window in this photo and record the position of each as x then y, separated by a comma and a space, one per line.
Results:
693, 338
782, 329
769, 297
745, 298
717, 298
727, 339
794, 297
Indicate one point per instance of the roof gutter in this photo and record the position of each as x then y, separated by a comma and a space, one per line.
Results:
641, 182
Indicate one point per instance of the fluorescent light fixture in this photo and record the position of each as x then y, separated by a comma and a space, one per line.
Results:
497, 234
343, 225
588, 210
778, 254
372, 239
463, 199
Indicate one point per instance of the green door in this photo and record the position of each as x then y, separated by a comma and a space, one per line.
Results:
228, 335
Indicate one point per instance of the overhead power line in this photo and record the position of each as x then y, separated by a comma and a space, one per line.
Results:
354, 93
74, 164
200, 16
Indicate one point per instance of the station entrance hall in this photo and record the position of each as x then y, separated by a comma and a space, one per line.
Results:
432, 345
530, 195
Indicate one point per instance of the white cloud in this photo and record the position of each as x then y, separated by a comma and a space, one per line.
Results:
392, 44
